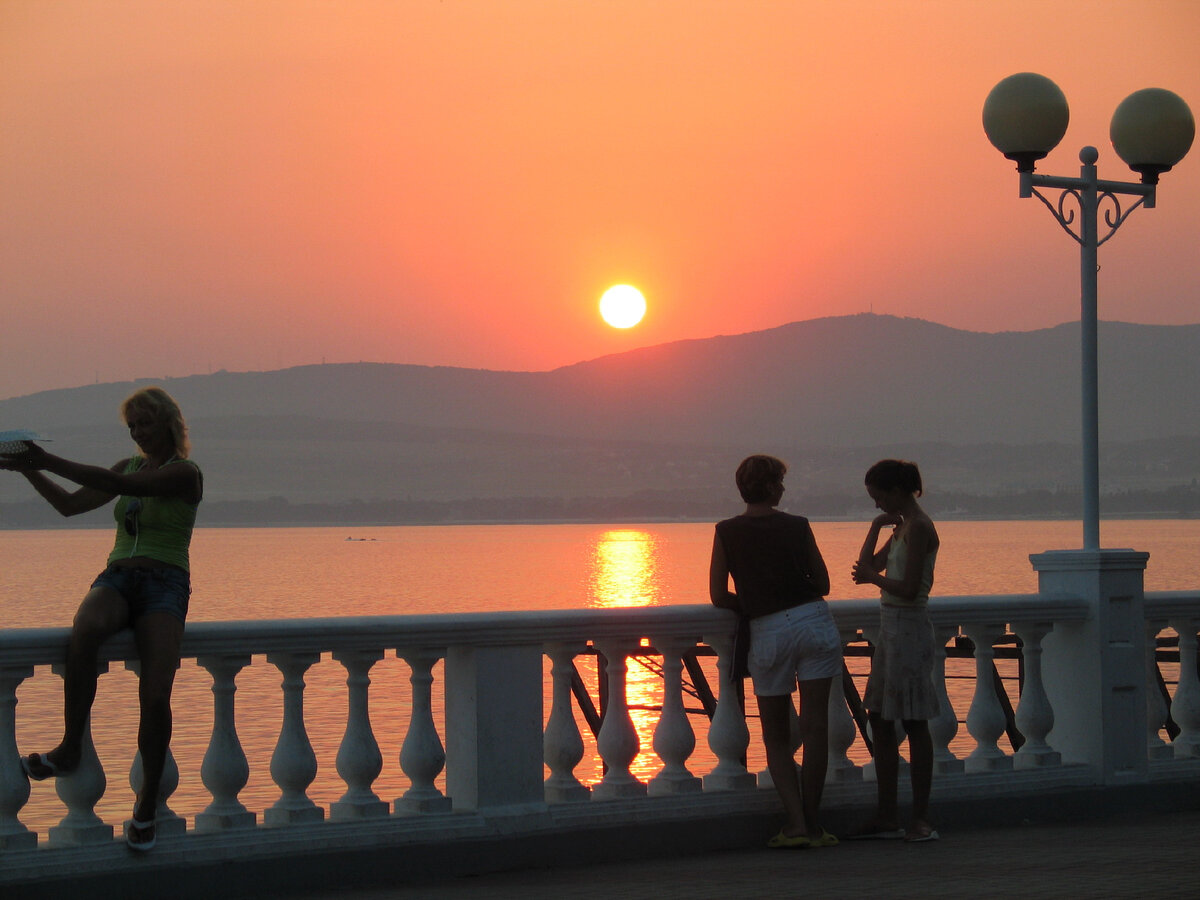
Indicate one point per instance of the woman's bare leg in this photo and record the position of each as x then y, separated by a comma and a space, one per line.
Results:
920, 751
887, 770
814, 727
158, 636
102, 614
775, 715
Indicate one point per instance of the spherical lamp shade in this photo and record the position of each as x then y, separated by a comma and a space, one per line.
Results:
1025, 116
1152, 130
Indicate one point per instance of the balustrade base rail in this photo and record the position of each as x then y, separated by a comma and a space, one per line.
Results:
265, 861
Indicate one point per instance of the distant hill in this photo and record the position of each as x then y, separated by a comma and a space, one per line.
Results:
983, 412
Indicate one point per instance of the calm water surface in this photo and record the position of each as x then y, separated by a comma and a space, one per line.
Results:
257, 573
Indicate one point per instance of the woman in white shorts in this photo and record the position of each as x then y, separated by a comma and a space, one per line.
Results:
780, 581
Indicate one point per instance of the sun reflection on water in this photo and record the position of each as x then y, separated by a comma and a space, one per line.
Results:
623, 570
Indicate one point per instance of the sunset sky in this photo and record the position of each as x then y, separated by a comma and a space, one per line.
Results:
203, 184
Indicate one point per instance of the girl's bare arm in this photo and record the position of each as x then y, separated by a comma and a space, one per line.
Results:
718, 578
920, 540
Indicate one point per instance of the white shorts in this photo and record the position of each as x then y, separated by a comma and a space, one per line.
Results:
801, 643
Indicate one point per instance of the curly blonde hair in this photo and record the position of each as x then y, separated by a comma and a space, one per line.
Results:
166, 413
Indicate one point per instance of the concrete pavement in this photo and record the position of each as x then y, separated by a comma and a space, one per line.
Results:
1146, 856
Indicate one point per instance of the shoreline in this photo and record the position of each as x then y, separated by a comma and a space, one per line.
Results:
611, 520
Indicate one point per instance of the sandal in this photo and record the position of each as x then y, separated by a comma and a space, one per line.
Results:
920, 833
140, 836
39, 767
789, 842
826, 839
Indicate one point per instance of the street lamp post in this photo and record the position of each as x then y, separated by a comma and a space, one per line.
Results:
1025, 116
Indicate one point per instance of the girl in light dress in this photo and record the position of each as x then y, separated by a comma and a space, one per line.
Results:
900, 687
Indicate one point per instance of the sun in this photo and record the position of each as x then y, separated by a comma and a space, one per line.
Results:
622, 306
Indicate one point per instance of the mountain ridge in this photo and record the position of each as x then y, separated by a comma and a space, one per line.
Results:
671, 416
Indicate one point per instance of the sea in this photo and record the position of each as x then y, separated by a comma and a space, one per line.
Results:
277, 573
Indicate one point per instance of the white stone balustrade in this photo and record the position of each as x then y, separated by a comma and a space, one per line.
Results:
14, 787
1185, 708
359, 761
985, 718
81, 791
562, 744
674, 738
617, 742
422, 756
225, 769
842, 728
1035, 716
944, 728
500, 741
1156, 706
1178, 608
728, 736
294, 763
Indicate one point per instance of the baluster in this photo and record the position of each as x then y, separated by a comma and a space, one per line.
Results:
1185, 709
728, 736
14, 787
842, 728
81, 791
293, 764
422, 756
871, 634
674, 739
166, 821
618, 740
1156, 706
985, 719
224, 770
562, 744
944, 726
1035, 715
359, 761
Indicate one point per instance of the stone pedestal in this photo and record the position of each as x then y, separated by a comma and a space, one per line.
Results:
494, 726
1094, 670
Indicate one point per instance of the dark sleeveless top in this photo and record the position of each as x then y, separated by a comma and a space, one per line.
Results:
766, 557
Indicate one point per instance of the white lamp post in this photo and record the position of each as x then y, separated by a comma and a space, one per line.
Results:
1025, 116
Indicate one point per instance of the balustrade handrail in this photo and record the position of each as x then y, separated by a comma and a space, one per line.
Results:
1168, 604
42, 646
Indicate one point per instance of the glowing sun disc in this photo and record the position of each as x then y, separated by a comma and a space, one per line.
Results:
622, 306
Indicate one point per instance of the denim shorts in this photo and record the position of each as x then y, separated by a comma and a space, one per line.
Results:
800, 643
149, 589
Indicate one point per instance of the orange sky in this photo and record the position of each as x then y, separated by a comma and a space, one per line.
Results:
201, 184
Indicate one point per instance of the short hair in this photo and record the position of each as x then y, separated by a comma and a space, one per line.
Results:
758, 475
888, 474
159, 404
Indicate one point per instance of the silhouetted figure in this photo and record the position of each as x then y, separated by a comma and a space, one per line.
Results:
781, 581
146, 585
900, 687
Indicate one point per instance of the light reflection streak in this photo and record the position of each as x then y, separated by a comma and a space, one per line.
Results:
624, 569
624, 572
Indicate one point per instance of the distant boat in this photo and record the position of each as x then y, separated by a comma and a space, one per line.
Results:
359, 539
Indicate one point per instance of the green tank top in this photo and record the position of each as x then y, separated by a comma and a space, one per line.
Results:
164, 524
